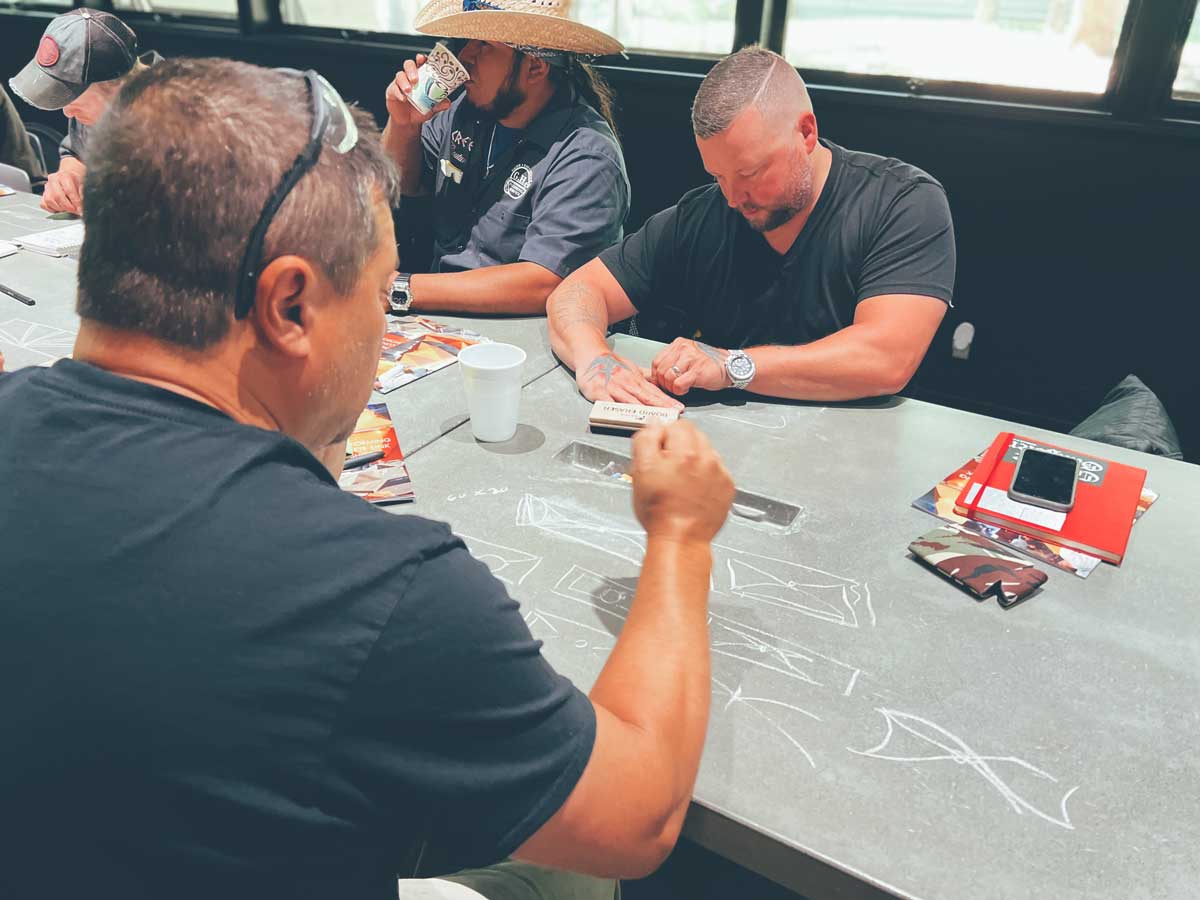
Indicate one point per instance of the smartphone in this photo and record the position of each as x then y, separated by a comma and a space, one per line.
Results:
1045, 479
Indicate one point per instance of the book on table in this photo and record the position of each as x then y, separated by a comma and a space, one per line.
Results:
414, 346
56, 242
939, 501
387, 480
1099, 523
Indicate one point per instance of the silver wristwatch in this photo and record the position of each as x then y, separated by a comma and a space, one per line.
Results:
401, 297
740, 368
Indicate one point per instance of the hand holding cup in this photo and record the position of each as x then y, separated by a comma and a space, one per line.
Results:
422, 88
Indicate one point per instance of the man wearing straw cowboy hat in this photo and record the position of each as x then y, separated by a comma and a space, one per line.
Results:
520, 180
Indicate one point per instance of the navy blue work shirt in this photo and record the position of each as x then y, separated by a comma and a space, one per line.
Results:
556, 195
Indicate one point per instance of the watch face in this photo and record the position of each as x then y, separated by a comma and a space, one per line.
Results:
741, 367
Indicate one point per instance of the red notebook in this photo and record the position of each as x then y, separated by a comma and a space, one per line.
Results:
1106, 499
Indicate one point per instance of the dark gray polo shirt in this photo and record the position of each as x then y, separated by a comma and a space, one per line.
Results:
557, 196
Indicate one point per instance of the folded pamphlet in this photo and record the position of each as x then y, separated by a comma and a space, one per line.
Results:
387, 480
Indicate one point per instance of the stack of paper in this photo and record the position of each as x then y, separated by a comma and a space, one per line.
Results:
55, 242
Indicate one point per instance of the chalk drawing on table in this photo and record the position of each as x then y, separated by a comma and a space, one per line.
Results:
552, 627
482, 492
761, 648
772, 422
930, 742
44, 342
778, 582
803, 589
595, 590
568, 521
765, 709
508, 564
728, 637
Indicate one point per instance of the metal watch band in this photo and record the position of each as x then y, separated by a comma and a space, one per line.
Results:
730, 364
401, 296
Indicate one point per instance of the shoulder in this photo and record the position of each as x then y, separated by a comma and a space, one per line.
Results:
883, 173
700, 212
587, 135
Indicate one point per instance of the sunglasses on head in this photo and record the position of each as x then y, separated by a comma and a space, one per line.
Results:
332, 124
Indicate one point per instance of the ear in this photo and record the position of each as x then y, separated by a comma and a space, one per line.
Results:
806, 127
536, 69
284, 303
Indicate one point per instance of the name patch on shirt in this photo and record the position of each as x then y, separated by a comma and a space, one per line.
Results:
518, 181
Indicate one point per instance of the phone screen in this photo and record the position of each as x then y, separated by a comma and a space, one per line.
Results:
1046, 475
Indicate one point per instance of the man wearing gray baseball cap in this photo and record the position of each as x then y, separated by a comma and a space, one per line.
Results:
79, 65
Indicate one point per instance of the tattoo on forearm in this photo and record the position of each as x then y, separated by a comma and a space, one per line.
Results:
604, 367
577, 304
717, 356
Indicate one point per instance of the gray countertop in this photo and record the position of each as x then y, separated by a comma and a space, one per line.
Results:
875, 729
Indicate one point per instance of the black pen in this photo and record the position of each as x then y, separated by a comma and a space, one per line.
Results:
357, 462
17, 295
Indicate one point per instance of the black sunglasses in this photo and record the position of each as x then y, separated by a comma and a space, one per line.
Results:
332, 123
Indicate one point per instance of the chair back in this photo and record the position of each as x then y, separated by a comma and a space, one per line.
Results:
17, 179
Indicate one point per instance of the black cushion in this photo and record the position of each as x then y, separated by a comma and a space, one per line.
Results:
1133, 417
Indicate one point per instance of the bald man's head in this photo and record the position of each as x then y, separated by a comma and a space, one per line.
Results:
753, 76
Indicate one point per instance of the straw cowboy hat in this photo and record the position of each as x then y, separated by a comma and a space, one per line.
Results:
535, 23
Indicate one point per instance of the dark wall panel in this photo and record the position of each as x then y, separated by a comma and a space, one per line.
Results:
1079, 258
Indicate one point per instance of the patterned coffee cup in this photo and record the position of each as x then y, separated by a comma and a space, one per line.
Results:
437, 79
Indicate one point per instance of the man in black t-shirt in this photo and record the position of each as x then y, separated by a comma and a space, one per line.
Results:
807, 271
222, 676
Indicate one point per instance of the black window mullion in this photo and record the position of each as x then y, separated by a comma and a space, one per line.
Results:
1148, 56
747, 23
257, 15
774, 22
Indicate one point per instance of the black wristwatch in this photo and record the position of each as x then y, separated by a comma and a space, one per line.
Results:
401, 298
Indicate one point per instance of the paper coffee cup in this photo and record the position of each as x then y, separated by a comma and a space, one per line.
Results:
437, 79
492, 381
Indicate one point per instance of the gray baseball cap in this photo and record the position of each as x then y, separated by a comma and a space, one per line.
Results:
78, 49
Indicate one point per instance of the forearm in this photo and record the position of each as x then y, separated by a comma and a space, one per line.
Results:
577, 322
846, 365
657, 676
403, 145
520, 287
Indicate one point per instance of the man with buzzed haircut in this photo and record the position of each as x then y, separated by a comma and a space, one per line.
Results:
807, 271
221, 675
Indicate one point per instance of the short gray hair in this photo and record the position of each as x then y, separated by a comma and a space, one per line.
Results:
179, 169
753, 75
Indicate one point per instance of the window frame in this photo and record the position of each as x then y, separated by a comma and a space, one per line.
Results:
1139, 91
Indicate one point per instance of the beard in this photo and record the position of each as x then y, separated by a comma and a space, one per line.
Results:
508, 96
798, 196
506, 100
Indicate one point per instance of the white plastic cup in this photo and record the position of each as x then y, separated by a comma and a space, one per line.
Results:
439, 76
492, 381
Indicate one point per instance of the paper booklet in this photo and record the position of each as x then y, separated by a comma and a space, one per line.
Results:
415, 346
940, 502
385, 481
55, 242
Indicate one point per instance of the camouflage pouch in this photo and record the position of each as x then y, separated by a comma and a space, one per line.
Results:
975, 563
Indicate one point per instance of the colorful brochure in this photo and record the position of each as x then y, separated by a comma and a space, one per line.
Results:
385, 481
415, 346
940, 502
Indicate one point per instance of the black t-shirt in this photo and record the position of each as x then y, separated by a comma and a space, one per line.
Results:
221, 676
697, 270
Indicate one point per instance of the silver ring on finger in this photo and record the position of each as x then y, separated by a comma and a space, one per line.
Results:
676, 370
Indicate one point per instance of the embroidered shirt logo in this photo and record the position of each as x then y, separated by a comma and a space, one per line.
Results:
458, 139
519, 181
